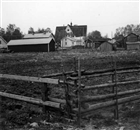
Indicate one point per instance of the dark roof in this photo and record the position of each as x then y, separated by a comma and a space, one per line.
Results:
78, 30
131, 34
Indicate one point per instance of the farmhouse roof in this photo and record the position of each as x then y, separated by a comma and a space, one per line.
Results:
78, 30
30, 41
38, 35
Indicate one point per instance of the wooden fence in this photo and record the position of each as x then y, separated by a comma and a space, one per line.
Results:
74, 105
86, 105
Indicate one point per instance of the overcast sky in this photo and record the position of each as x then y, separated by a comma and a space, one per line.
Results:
102, 16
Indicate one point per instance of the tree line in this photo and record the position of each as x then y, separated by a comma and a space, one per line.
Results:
124, 31
13, 32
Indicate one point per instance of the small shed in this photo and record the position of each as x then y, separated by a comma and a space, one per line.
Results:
132, 37
3, 43
32, 45
106, 47
133, 45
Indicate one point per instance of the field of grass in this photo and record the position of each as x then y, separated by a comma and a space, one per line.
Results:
39, 64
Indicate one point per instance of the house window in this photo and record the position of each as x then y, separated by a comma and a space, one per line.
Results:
65, 43
0, 42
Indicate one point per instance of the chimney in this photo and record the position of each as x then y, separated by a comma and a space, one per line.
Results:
71, 24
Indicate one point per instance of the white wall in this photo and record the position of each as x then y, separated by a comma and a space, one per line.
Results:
2, 44
65, 42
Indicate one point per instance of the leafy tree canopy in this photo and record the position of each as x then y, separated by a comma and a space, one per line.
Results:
94, 35
11, 32
124, 31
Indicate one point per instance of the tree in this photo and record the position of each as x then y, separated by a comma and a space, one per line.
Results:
94, 35
17, 34
12, 32
2, 31
127, 30
31, 30
43, 30
48, 30
106, 36
11, 28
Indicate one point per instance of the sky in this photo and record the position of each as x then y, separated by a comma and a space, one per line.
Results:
104, 16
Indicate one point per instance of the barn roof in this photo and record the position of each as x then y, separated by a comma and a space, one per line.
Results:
38, 35
131, 34
3, 39
30, 41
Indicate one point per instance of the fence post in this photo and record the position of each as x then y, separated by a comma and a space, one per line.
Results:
115, 89
45, 94
2, 115
79, 92
67, 96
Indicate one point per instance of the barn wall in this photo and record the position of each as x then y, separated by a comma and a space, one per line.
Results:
52, 45
105, 47
133, 46
29, 48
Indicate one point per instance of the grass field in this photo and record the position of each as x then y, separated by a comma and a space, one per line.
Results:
39, 64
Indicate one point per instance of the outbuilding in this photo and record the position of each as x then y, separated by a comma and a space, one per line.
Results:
32, 45
133, 45
106, 47
3, 43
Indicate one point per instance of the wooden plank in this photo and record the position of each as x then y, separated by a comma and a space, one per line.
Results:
103, 74
56, 74
30, 100
109, 85
110, 70
97, 106
31, 79
61, 74
62, 101
102, 97
36, 79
